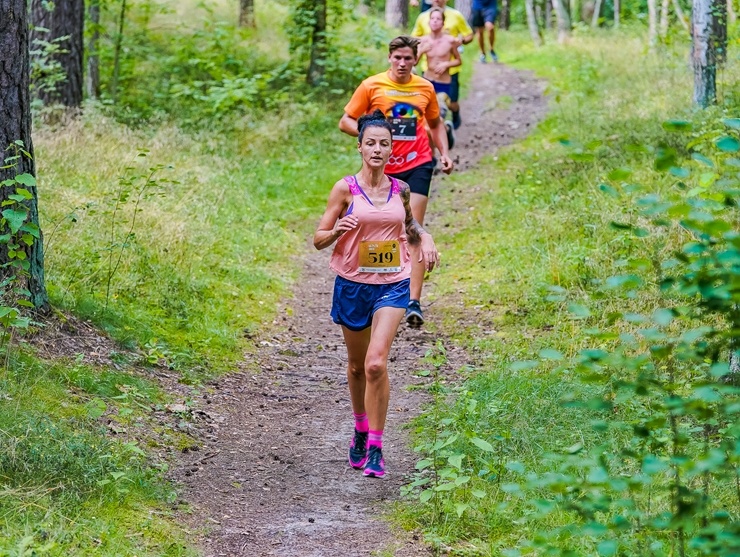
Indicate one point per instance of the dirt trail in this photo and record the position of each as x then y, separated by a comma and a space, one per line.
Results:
271, 476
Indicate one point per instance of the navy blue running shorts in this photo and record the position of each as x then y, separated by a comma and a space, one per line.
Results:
418, 178
455, 87
479, 18
355, 303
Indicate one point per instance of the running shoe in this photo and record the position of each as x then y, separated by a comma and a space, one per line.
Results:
493, 56
482, 58
456, 120
414, 315
375, 467
450, 134
358, 450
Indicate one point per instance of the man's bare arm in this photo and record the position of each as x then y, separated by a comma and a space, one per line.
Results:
348, 125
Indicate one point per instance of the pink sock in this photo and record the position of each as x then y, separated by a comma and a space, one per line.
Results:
375, 438
361, 423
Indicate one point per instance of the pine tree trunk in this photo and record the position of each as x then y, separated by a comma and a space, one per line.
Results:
652, 23
92, 78
664, 15
15, 124
66, 19
703, 55
534, 28
504, 19
315, 73
246, 13
397, 13
563, 20
465, 7
117, 47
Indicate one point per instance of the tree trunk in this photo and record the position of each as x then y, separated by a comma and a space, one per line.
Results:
664, 15
64, 23
15, 124
548, 14
681, 16
117, 46
397, 13
575, 10
617, 10
246, 13
731, 15
652, 23
534, 29
465, 7
563, 20
597, 12
504, 19
703, 56
315, 73
92, 78
719, 30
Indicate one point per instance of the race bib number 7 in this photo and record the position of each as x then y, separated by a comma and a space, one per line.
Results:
380, 256
404, 129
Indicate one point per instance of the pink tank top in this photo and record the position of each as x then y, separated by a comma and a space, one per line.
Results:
376, 251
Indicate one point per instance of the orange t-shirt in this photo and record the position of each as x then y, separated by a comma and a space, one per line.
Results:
407, 107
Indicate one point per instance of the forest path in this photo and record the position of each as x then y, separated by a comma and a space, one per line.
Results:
271, 477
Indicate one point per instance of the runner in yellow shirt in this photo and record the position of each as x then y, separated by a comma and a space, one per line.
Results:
457, 26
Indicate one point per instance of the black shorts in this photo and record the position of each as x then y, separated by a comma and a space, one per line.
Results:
418, 178
455, 87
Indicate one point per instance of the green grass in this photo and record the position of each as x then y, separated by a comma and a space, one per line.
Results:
541, 220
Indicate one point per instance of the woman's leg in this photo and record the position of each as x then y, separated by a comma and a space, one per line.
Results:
377, 388
356, 343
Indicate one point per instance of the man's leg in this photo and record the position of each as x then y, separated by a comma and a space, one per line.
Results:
418, 209
491, 28
454, 96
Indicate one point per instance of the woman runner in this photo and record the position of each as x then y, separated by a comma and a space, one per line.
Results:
369, 217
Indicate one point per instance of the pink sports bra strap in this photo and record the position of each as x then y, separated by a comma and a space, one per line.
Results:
395, 188
354, 187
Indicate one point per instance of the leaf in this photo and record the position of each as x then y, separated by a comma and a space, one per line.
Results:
702, 159
619, 174
482, 444
479, 493
449, 486
460, 508
15, 219
26, 179
550, 354
663, 317
515, 466
456, 461
728, 144
607, 548
426, 495
524, 365
581, 157
680, 172
677, 125
732, 123
96, 408
578, 311
609, 190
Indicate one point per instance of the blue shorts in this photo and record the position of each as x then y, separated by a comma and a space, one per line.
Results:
479, 18
355, 303
444, 88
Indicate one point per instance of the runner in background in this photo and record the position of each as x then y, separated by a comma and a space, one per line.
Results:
438, 51
483, 19
458, 28
410, 104
369, 217
423, 4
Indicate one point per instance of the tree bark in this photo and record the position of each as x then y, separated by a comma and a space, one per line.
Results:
731, 15
504, 19
15, 124
66, 19
92, 78
534, 28
703, 56
652, 23
315, 74
617, 14
465, 7
397, 13
563, 20
246, 13
664, 15
548, 14
597, 12
117, 47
